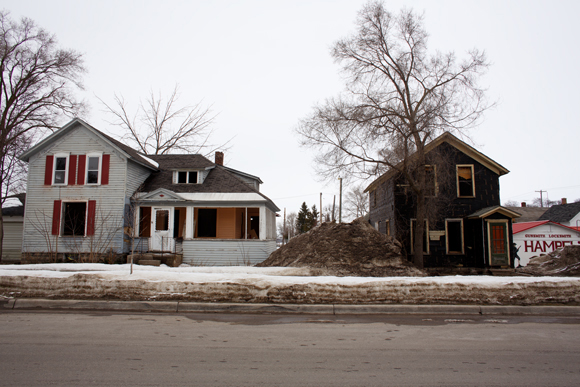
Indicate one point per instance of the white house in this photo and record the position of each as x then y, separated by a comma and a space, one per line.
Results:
542, 237
89, 194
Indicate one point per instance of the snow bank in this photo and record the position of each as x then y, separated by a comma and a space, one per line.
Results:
275, 285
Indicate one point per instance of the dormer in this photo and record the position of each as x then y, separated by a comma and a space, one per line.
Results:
186, 176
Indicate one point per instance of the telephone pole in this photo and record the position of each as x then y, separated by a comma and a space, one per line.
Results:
542, 197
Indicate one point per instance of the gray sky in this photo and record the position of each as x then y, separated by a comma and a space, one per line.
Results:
263, 64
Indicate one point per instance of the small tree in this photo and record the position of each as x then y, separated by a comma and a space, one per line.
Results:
398, 99
302, 220
37, 83
161, 127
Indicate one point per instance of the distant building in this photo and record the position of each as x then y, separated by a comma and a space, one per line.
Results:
542, 237
567, 214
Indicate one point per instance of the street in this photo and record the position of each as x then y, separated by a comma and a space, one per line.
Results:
40, 348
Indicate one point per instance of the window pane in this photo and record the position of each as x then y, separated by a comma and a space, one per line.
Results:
93, 164
59, 177
192, 177
182, 177
74, 219
92, 177
162, 220
465, 181
60, 164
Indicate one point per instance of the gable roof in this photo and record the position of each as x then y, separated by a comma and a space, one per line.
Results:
528, 214
524, 226
561, 213
487, 211
456, 143
129, 152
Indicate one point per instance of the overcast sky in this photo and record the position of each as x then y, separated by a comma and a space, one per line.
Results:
262, 65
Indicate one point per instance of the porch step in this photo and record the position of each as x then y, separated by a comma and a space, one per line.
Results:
150, 262
502, 272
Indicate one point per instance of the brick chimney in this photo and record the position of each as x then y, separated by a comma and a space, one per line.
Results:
219, 158
564, 201
523, 204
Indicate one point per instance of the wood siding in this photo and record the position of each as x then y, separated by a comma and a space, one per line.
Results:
12, 242
203, 252
110, 199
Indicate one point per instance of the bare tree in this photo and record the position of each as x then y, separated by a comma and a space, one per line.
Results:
13, 171
160, 127
37, 86
356, 203
398, 98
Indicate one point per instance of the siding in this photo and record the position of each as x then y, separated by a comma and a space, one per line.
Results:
205, 252
110, 199
12, 242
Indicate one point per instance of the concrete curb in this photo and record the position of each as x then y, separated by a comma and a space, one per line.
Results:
328, 309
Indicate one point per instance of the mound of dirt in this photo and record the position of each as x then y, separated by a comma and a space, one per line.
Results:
346, 249
562, 263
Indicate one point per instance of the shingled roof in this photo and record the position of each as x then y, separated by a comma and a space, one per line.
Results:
561, 213
219, 179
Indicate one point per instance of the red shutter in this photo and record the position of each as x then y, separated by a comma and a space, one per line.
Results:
56, 217
72, 169
91, 217
81, 170
48, 170
105, 171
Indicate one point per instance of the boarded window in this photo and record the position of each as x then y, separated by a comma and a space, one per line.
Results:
74, 218
454, 236
145, 222
465, 184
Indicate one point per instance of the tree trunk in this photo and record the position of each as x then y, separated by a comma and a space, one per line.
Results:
418, 231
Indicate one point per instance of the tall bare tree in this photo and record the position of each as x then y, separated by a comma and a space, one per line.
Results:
356, 203
37, 85
160, 126
398, 98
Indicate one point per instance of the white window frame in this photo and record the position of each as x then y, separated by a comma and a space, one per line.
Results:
454, 220
62, 219
472, 180
66, 168
187, 171
425, 248
100, 171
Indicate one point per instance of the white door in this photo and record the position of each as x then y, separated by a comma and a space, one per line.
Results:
162, 226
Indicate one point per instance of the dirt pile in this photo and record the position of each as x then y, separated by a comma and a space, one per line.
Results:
562, 263
347, 249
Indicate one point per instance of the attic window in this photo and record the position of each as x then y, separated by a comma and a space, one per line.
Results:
186, 177
465, 184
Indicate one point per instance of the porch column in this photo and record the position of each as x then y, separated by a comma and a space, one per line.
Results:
263, 223
189, 226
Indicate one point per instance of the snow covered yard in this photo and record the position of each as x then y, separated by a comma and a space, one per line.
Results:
275, 285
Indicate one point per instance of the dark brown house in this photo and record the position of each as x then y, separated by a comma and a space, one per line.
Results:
465, 225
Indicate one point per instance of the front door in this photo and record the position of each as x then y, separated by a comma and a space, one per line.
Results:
498, 244
162, 226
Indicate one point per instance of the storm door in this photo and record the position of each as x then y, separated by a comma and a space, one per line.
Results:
162, 226
498, 243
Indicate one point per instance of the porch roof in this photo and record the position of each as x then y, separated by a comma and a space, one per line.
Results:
487, 211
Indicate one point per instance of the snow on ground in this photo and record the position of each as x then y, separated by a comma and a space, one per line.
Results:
274, 284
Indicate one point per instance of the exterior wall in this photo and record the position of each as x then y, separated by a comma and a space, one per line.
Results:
392, 201
574, 222
12, 242
204, 252
110, 199
543, 239
136, 175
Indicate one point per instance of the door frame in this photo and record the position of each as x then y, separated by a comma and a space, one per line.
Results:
162, 240
505, 224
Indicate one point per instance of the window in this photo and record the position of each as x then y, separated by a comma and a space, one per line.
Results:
186, 177
60, 164
454, 236
207, 223
425, 236
93, 169
388, 227
465, 183
74, 218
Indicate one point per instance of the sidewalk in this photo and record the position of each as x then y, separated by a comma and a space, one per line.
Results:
328, 309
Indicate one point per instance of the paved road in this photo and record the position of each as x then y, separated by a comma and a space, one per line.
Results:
49, 348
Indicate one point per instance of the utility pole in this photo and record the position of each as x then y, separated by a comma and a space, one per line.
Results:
542, 197
320, 208
284, 229
340, 202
